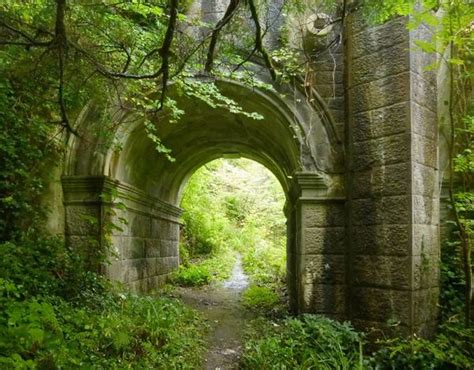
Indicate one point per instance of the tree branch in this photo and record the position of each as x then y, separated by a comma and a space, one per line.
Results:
165, 49
61, 44
259, 42
233, 5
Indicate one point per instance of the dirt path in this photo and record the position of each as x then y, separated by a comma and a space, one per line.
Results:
221, 306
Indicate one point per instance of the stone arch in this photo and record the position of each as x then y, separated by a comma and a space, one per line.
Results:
293, 140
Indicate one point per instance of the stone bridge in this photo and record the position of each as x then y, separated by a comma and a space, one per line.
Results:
358, 163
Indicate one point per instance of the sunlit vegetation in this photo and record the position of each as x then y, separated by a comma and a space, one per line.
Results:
230, 207
54, 313
58, 56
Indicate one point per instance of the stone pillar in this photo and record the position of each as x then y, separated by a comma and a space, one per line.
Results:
84, 216
141, 232
317, 259
392, 179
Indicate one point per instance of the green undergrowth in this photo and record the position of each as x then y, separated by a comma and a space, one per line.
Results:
308, 342
260, 298
317, 342
452, 348
233, 207
204, 270
56, 314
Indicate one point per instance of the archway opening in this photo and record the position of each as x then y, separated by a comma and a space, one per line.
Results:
234, 229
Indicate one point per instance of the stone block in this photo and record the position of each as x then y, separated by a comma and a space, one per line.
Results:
425, 151
386, 210
336, 103
115, 271
169, 248
425, 210
155, 282
328, 77
152, 266
425, 305
375, 39
382, 151
425, 180
324, 299
322, 269
140, 225
423, 92
425, 240
320, 215
381, 305
425, 122
381, 93
381, 181
386, 62
382, 271
152, 248
328, 62
426, 271
167, 265
133, 248
324, 240
155, 228
388, 240
330, 90
381, 122
83, 220
82, 244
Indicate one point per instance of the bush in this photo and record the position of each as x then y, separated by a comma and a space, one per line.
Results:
194, 275
56, 314
260, 298
138, 332
451, 349
310, 341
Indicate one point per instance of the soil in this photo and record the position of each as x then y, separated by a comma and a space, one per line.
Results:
220, 305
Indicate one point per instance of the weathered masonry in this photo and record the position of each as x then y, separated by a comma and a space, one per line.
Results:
358, 163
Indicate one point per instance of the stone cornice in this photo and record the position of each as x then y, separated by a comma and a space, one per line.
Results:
88, 189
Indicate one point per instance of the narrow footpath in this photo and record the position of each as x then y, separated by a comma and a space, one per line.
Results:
220, 305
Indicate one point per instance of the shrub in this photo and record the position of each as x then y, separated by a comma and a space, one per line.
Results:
138, 332
260, 298
194, 275
451, 349
310, 341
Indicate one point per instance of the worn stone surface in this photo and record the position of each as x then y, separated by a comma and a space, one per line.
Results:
359, 165
324, 299
386, 240
393, 200
324, 240
381, 305
382, 122
382, 271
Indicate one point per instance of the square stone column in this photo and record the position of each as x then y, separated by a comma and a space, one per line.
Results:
392, 178
316, 248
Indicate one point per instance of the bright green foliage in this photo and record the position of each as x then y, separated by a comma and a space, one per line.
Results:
260, 297
54, 313
130, 331
308, 342
27, 150
451, 349
235, 206
193, 275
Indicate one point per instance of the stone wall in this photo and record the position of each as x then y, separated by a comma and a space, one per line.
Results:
144, 237
316, 249
392, 179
